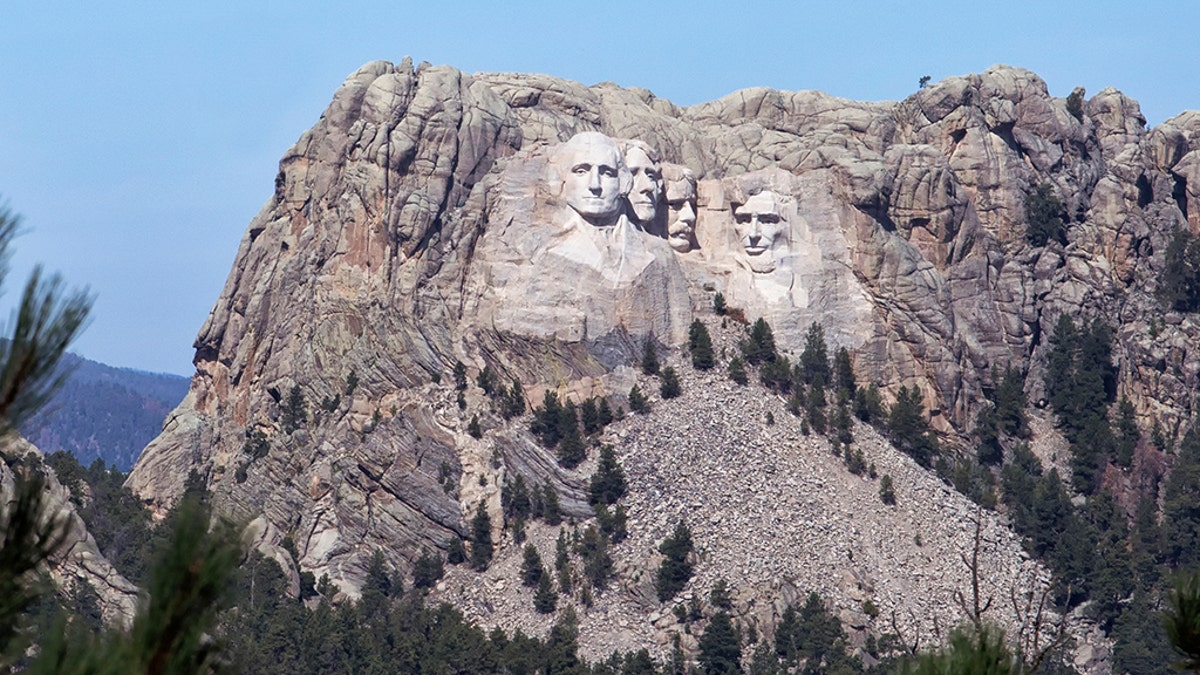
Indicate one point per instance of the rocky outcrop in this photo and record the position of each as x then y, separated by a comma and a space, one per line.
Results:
433, 217
78, 559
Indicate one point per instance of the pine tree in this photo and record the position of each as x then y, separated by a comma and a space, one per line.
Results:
719, 304
552, 512
720, 646
608, 484
456, 554
814, 360
473, 428
545, 599
700, 346
737, 370
669, 388
675, 570
649, 358
887, 493
532, 570
637, 401
294, 416
460, 376
761, 345
481, 539
427, 570
597, 563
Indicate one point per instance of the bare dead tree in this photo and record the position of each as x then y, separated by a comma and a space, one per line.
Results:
1041, 631
977, 606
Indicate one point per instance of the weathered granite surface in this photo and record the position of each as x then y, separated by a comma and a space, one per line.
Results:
427, 218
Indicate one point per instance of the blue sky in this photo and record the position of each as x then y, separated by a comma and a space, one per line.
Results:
138, 140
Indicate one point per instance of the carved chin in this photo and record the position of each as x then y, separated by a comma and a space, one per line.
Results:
681, 244
761, 264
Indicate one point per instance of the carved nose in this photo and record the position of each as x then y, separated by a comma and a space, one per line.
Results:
594, 181
687, 214
754, 239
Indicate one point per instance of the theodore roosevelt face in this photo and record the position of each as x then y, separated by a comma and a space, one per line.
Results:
681, 212
594, 176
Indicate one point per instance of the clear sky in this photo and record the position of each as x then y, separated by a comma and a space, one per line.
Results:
139, 139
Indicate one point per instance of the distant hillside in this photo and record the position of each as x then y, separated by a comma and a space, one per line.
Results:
105, 412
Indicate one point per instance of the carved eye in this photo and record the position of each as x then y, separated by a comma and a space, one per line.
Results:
608, 171
581, 169
769, 218
743, 218
654, 175
677, 204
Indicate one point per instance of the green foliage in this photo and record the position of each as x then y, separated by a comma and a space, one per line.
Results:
812, 636
613, 523
637, 400
515, 500
532, 570
512, 400
776, 374
294, 415
887, 493
545, 599
868, 405
608, 484
845, 386
1127, 434
487, 380
456, 553
115, 517
669, 386
1179, 281
1181, 505
981, 652
481, 539
675, 570
597, 563
649, 358
551, 511
700, 346
760, 347
1044, 217
473, 427
737, 371
720, 646
719, 596
351, 383
719, 304
1081, 382
460, 376
427, 570
814, 360
908, 430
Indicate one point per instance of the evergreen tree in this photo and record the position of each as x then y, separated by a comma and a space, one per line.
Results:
1128, 434
719, 596
294, 416
720, 646
637, 400
1044, 217
545, 599
481, 539
427, 570
669, 387
608, 483
456, 554
649, 358
473, 428
1010, 402
868, 405
1179, 281
908, 430
515, 499
719, 304
887, 493
761, 345
513, 401
597, 563
551, 511
814, 360
532, 570
460, 376
1181, 505
700, 346
675, 570
737, 370
571, 450
843, 375
589, 416
487, 380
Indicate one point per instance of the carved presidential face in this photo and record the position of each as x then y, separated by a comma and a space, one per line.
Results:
681, 213
591, 167
647, 183
759, 223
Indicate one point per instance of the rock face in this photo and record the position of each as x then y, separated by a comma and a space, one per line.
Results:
78, 559
432, 217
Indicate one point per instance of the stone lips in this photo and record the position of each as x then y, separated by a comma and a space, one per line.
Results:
402, 229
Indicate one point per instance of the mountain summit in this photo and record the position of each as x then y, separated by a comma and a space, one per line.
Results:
440, 242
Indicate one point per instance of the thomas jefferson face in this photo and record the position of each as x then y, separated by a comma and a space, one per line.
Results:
591, 166
681, 214
758, 223
647, 184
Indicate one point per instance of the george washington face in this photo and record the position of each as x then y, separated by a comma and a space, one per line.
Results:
594, 177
